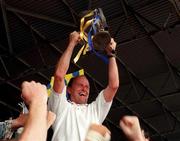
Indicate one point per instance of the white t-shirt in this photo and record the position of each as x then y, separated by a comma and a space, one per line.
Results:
73, 120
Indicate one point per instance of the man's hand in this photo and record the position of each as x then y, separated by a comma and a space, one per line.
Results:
74, 38
131, 128
35, 95
111, 47
34, 92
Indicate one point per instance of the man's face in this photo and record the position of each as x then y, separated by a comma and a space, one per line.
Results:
79, 91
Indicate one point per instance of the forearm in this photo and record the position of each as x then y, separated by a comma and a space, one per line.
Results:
62, 67
16, 124
64, 61
19, 121
36, 126
113, 80
113, 75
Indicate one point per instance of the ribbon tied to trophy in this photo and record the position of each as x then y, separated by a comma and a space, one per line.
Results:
94, 34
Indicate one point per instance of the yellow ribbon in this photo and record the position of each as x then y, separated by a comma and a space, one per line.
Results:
84, 36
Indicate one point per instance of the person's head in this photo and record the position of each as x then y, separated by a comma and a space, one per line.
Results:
98, 132
78, 89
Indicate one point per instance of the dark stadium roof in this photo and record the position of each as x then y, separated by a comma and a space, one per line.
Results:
34, 34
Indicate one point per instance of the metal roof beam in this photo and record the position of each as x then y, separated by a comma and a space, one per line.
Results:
3, 7
170, 65
9, 106
73, 13
39, 16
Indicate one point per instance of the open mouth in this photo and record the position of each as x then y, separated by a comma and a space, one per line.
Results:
82, 94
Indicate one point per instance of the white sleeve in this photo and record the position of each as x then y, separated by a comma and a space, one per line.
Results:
57, 101
101, 107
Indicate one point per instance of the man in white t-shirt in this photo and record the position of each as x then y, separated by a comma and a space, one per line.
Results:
75, 116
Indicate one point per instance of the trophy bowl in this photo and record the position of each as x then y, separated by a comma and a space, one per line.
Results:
101, 40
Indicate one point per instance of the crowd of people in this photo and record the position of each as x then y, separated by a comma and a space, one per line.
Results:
72, 119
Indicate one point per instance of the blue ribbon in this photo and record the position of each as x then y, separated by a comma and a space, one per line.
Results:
90, 43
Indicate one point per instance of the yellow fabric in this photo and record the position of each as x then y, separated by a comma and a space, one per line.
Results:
51, 85
84, 36
66, 78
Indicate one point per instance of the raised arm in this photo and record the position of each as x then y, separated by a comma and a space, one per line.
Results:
35, 128
131, 127
64, 61
113, 75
